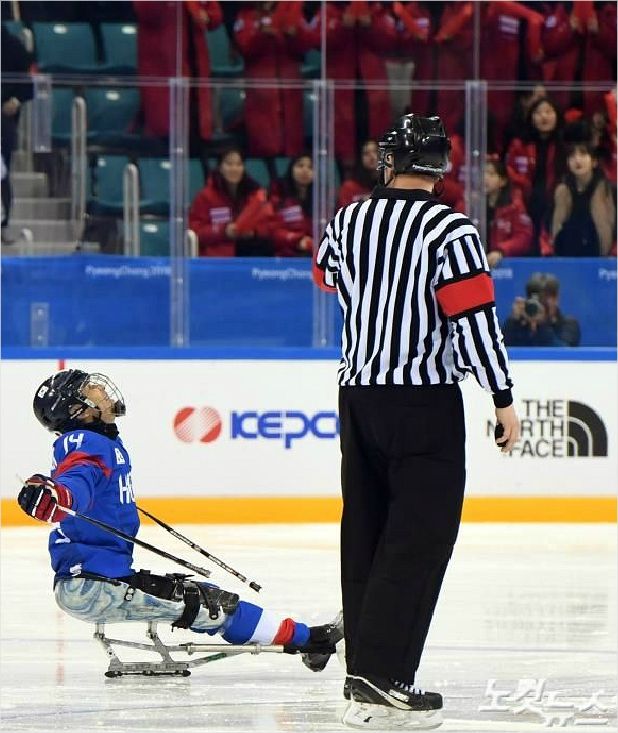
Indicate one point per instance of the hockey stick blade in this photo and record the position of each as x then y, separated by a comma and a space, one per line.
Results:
194, 546
141, 543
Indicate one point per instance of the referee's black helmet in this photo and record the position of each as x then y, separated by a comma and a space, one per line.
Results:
417, 145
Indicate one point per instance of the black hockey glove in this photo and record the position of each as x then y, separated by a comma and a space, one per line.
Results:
39, 498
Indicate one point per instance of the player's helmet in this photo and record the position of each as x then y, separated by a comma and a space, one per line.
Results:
59, 401
417, 145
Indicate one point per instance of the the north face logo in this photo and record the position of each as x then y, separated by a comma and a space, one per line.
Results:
586, 431
559, 429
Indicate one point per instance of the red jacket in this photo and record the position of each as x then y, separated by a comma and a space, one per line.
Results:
416, 41
213, 209
511, 230
290, 225
156, 56
561, 46
500, 52
351, 191
454, 54
453, 182
600, 57
521, 165
354, 53
274, 117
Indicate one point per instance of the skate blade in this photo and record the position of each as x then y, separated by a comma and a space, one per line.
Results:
381, 717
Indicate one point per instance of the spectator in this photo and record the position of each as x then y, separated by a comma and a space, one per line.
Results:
358, 35
160, 26
501, 26
508, 224
537, 320
363, 178
273, 38
584, 215
231, 215
561, 49
15, 60
454, 41
292, 199
535, 161
416, 27
596, 23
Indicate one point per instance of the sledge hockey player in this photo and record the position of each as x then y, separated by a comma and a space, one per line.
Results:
94, 579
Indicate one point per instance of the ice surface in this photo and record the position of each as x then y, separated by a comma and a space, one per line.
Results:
532, 607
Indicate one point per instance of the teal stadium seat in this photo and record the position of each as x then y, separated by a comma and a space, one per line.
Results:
154, 237
281, 166
231, 107
107, 180
258, 170
14, 27
62, 102
312, 65
154, 175
225, 62
65, 48
119, 47
111, 112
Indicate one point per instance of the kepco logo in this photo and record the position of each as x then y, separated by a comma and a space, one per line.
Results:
204, 425
287, 426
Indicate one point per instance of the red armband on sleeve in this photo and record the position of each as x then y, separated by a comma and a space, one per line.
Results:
468, 294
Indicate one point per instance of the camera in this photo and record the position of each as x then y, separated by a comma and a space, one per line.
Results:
532, 307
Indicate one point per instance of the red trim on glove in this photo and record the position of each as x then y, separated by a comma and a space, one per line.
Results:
467, 294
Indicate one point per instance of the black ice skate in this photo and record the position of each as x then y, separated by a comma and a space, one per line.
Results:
382, 691
385, 704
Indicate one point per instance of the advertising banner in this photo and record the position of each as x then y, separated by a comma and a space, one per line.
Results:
270, 428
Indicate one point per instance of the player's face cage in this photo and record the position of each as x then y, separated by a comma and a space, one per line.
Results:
111, 390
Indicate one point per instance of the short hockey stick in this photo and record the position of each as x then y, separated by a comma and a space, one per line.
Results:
141, 543
252, 584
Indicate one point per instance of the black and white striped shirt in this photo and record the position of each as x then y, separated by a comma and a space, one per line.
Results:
417, 297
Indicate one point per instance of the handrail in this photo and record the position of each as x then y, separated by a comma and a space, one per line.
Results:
78, 166
130, 210
40, 110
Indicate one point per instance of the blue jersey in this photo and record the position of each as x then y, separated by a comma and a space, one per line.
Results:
97, 471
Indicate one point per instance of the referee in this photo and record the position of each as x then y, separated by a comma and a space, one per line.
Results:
418, 308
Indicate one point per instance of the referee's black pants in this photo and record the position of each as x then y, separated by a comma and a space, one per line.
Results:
403, 476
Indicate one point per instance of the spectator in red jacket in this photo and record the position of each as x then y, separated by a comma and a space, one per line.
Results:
561, 48
416, 27
358, 35
501, 26
508, 224
584, 218
596, 22
273, 39
454, 41
157, 56
231, 215
535, 161
363, 178
292, 199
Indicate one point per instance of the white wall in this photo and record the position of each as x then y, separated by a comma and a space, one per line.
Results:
170, 460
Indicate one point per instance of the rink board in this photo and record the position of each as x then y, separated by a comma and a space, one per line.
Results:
257, 440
